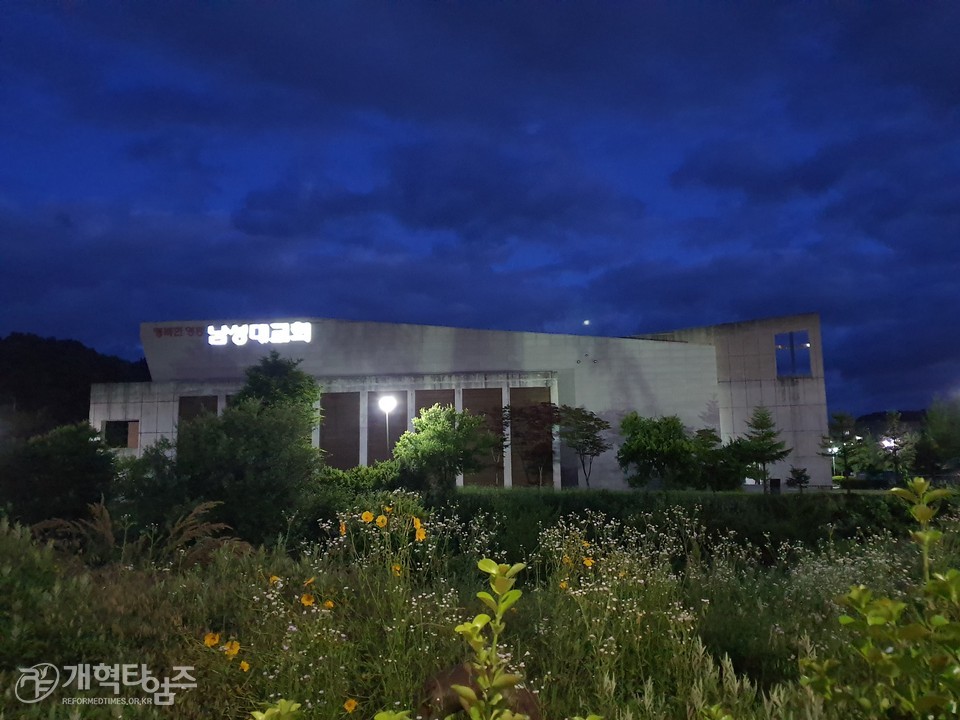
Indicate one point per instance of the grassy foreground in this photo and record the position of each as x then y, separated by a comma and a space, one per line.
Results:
653, 618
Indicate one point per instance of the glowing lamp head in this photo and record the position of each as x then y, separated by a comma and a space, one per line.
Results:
387, 403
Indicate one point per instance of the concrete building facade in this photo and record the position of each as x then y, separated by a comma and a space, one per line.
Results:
709, 377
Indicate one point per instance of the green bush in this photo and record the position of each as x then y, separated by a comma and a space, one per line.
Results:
55, 475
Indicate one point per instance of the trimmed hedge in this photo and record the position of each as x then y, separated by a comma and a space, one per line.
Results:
760, 519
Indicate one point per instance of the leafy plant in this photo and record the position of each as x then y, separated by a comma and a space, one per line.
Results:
489, 665
582, 431
903, 655
799, 478
443, 444
762, 444
280, 710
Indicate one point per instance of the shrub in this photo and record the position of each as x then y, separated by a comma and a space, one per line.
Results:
55, 475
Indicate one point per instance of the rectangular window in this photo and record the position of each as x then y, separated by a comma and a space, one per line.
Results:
121, 433
793, 354
192, 406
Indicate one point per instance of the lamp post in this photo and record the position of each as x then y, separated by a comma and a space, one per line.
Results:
387, 403
832, 452
890, 445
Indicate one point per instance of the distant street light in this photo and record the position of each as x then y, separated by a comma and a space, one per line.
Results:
890, 445
388, 404
832, 452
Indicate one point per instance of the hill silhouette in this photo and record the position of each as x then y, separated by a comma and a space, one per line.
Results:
45, 382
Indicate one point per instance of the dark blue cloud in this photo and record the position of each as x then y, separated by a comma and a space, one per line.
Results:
491, 165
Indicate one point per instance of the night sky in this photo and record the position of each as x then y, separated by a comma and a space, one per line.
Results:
507, 165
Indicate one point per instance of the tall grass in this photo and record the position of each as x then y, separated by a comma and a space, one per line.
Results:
654, 616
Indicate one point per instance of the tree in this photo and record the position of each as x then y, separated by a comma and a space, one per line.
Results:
56, 475
762, 444
581, 430
443, 444
257, 460
720, 467
841, 443
657, 448
256, 457
531, 435
938, 449
799, 478
900, 446
276, 380
148, 489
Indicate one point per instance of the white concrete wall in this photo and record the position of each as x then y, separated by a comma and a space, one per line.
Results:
747, 378
610, 376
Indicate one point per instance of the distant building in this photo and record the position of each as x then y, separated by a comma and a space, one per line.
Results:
710, 377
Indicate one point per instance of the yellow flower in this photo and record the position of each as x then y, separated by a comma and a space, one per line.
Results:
308, 582
421, 534
387, 509
231, 648
329, 604
397, 570
350, 705
307, 599
585, 543
381, 521
566, 560
211, 639
588, 562
245, 666
274, 579
563, 585
416, 523
367, 516
343, 528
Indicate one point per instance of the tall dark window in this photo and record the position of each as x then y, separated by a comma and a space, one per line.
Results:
793, 354
192, 406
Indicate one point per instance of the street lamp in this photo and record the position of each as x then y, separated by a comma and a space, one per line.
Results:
832, 452
388, 404
890, 445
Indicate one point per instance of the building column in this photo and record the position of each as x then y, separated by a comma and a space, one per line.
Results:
364, 430
507, 452
458, 406
411, 410
555, 399
315, 435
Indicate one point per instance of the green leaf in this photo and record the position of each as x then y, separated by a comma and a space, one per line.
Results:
932, 702
514, 569
846, 620
913, 632
488, 566
481, 620
905, 495
488, 600
465, 692
505, 681
922, 513
508, 599
940, 494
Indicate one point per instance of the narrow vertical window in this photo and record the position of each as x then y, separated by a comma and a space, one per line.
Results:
793, 354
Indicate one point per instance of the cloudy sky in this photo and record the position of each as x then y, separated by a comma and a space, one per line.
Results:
508, 165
